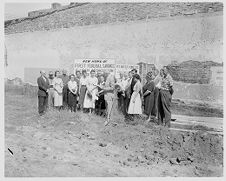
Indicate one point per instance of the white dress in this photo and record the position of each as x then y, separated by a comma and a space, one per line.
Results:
136, 107
58, 89
90, 102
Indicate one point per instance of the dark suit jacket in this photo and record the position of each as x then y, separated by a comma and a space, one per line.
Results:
78, 84
128, 92
42, 86
132, 85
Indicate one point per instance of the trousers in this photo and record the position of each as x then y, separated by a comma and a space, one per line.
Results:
51, 97
164, 107
42, 104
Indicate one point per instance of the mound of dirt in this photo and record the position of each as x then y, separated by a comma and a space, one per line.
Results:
78, 144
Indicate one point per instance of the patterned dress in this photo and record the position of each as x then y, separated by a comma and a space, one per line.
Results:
149, 99
58, 90
72, 95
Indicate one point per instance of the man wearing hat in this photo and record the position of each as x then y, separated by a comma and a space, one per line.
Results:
51, 89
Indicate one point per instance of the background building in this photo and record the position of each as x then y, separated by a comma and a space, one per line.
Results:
144, 68
217, 75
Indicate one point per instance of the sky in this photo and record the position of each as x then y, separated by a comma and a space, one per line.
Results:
20, 10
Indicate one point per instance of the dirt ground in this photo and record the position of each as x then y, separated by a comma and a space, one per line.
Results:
76, 144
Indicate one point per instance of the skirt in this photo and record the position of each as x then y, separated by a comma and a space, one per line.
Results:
90, 102
135, 107
100, 103
149, 102
65, 94
58, 99
82, 95
72, 99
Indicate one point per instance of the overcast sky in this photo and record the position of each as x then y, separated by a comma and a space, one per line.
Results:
19, 10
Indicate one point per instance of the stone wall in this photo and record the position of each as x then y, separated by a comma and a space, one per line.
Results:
192, 71
82, 14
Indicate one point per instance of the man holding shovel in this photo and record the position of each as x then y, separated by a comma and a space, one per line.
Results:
109, 90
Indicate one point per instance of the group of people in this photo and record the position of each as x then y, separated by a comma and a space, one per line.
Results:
98, 93
153, 98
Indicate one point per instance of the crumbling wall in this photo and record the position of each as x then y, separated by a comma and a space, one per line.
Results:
192, 71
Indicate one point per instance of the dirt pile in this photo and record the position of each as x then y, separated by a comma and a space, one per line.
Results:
157, 144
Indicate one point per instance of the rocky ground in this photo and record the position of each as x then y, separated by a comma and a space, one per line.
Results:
76, 144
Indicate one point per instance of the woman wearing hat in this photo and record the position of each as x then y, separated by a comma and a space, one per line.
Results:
148, 90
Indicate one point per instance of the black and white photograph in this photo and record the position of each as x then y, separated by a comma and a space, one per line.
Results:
113, 89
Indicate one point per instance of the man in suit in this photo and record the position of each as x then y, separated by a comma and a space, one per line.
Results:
65, 79
43, 88
133, 71
128, 94
77, 79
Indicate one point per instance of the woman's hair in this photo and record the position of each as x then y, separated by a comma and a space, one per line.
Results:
101, 75
72, 75
92, 71
56, 72
83, 71
77, 71
149, 75
156, 72
137, 76
135, 70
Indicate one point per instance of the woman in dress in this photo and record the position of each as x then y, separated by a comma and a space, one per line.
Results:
90, 96
149, 99
58, 89
72, 95
82, 88
135, 101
